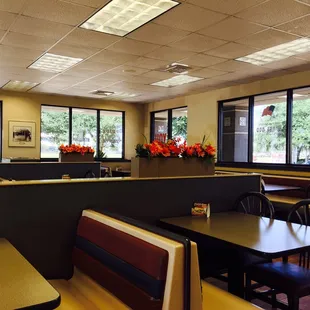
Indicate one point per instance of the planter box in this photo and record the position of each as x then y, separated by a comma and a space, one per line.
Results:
76, 157
170, 167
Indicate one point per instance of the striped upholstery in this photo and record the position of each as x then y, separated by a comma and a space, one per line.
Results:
133, 270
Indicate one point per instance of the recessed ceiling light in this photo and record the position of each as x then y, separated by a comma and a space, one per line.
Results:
177, 68
177, 80
19, 85
119, 17
54, 63
278, 52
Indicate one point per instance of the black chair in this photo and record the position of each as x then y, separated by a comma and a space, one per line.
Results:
283, 277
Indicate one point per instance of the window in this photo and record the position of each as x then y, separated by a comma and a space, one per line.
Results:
269, 128
276, 129
169, 124
54, 130
100, 129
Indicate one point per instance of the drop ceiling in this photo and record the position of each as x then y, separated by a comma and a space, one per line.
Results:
207, 35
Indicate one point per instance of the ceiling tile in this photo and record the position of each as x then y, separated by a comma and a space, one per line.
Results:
288, 63
267, 38
149, 63
84, 37
304, 1
93, 85
73, 51
2, 33
128, 71
202, 60
6, 19
169, 53
189, 17
234, 65
111, 77
226, 6
43, 88
157, 34
90, 3
300, 26
9, 61
207, 73
64, 80
231, 29
93, 66
30, 75
28, 41
158, 75
82, 72
134, 47
197, 43
13, 6
231, 51
275, 12
113, 58
18, 52
58, 11
40, 27
300, 68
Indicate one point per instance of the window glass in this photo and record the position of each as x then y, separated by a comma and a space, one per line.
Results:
179, 123
84, 127
111, 134
235, 131
54, 130
301, 127
161, 126
269, 128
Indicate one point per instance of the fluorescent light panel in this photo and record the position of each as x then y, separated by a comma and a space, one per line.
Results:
177, 80
19, 85
278, 52
119, 17
54, 63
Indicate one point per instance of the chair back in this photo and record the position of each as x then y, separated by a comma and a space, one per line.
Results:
300, 212
254, 203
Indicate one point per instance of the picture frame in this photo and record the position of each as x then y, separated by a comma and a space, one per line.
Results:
22, 133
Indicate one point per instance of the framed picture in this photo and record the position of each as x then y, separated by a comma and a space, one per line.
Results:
22, 134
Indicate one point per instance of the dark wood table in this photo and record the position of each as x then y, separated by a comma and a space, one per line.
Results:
247, 233
271, 188
21, 284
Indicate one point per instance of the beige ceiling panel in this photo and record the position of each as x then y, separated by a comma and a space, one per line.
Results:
189, 17
44, 88
236, 76
40, 27
6, 19
305, 56
66, 79
300, 26
133, 47
233, 65
275, 12
13, 6
232, 50
226, 6
92, 84
90, 3
202, 60
84, 37
129, 85
3, 81
158, 75
157, 34
82, 73
113, 58
58, 11
275, 73
267, 38
169, 53
197, 43
18, 52
2, 33
301, 68
27, 41
141, 79
128, 70
97, 67
8, 61
288, 63
304, 1
231, 29
73, 51
149, 63
207, 73
29, 75
111, 77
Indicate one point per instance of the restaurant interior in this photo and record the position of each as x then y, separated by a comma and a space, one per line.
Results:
155, 154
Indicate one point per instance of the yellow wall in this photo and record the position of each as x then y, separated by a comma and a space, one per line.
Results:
202, 108
27, 107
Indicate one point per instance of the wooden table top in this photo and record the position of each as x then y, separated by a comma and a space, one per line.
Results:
269, 188
260, 235
21, 284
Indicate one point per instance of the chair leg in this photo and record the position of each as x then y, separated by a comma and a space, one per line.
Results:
293, 302
248, 289
274, 299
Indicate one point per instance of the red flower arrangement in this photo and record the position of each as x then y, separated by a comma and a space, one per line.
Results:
174, 148
75, 148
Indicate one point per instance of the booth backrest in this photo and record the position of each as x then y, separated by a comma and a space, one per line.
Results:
141, 268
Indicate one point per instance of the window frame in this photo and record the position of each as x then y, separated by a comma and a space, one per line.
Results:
169, 129
250, 164
98, 131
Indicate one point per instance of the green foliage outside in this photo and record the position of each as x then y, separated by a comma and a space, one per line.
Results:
179, 127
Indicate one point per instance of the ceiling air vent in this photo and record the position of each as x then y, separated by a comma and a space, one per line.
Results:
102, 93
177, 68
